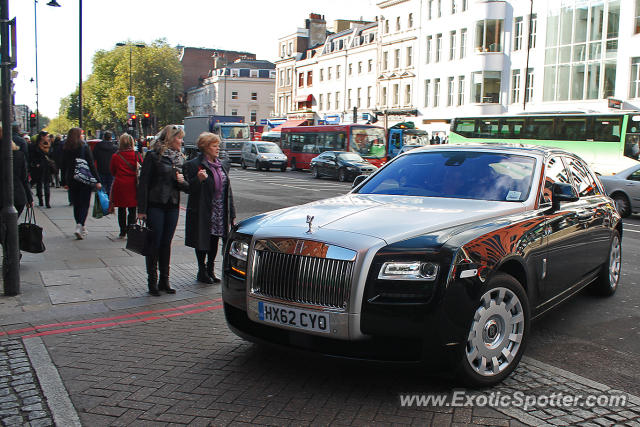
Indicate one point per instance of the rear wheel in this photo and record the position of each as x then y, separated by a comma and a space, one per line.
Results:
342, 175
314, 172
609, 277
498, 332
622, 205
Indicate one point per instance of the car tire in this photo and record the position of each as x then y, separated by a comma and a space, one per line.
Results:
498, 332
609, 277
258, 167
267, 168
243, 165
622, 204
314, 172
283, 169
293, 165
342, 175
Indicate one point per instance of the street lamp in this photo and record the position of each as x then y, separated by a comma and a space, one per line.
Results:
53, 3
130, 49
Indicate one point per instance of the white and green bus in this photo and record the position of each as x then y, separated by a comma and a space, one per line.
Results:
608, 142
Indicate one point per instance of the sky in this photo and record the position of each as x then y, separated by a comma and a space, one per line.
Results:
246, 25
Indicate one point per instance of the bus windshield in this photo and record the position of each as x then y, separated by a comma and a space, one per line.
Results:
239, 131
368, 142
415, 139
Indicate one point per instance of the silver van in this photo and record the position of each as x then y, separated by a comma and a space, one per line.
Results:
263, 154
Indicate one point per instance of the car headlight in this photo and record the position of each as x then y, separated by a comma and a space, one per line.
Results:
263, 157
239, 249
352, 168
408, 270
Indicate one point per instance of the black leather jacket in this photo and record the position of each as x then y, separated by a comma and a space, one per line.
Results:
158, 185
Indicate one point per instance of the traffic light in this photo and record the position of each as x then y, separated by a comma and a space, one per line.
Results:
145, 120
32, 120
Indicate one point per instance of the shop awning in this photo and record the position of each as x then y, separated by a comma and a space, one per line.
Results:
290, 124
303, 98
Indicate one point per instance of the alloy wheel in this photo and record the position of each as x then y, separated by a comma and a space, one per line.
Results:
615, 256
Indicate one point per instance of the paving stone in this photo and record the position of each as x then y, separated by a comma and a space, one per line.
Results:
16, 420
37, 414
603, 422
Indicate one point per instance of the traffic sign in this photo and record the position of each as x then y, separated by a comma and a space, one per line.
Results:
131, 104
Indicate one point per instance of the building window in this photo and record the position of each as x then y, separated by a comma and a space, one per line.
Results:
386, 26
407, 95
254, 116
289, 74
439, 8
428, 54
528, 91
429, 16
350, 69
463, 43
533, 30
410, 21
461, 87
282, 50
427, 91
234, 94
337, 72
450, 93
465, 5
409, 56
281, 78
637, 23
320, 100
300, 79
359, 93
383, 97
397, 23
328, 101
396, 95
385, 61
309, 78
321, 74
396, 58
368, 96
234, 112
485, 87
436, 92
452, 45
489, 35
370, 65
337, 100
360, 67
517, 33
329, 73
254, 96
453, 7
515, 86
348, 99
438, 47
634, 92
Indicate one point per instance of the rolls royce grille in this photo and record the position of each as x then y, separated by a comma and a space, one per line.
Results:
303, 279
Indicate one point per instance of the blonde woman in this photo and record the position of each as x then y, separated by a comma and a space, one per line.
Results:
123, 166
159, 189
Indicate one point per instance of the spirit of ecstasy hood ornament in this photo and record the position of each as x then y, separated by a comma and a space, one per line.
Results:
309, 221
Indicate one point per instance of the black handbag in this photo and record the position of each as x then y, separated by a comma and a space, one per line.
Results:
140, 239
30, 234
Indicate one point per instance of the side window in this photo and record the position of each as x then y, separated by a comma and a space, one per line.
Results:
554, 172
634, 176
583, 182
253, 149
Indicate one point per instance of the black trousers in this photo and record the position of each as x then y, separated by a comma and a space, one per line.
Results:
125, 220
80, 196
209, 255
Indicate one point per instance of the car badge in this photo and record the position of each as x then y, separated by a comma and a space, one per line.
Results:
309, 221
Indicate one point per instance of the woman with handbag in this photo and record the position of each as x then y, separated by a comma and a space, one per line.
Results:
124, 169
79, 177
159, 189
210, 209
41, 167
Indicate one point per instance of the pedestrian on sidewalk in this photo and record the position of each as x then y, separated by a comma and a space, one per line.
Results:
41, 165
210, 209
79, 193
159, 189
103, 151
21, 189
56, 155
124, 168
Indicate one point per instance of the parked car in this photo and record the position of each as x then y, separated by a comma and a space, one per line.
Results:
624, 189
263, 154
443, 256
343, 165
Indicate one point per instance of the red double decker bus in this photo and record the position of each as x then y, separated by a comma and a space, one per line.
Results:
303, 143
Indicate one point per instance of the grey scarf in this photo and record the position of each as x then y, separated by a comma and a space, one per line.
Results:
175, 156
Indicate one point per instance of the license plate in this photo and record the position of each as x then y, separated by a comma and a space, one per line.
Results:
293, 317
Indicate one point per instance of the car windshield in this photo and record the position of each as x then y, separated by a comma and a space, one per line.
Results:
269, 148
350, 157
235, 132
456, 174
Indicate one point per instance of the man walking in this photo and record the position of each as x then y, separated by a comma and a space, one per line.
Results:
102, 152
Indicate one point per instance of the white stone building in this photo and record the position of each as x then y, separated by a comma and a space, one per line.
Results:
242, 88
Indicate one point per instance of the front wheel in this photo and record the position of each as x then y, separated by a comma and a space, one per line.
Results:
622, 205
293, 165
314, 172
498, 333
609, 277
243, 164
258, 167
342, 175
283, 169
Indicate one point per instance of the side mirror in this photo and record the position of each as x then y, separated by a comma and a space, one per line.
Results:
358, 180
563, 192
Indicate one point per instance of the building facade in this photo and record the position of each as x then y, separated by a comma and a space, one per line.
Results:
242, 88
439, 59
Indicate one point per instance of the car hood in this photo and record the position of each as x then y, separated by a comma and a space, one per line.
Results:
390, 218
363, 164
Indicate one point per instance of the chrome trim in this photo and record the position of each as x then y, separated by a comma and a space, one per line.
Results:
305, 247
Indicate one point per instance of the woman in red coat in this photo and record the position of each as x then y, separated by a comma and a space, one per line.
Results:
124, 168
